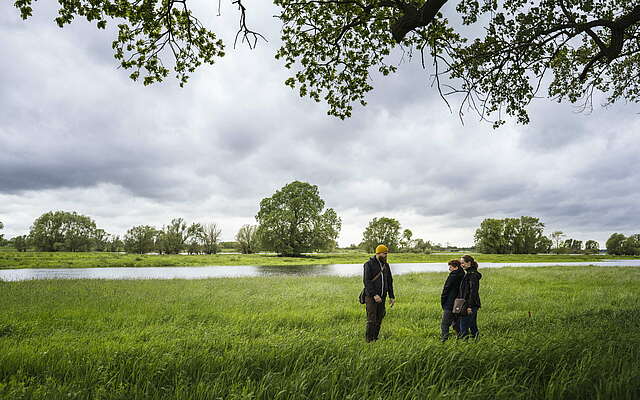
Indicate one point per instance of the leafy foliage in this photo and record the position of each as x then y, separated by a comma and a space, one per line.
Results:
247, 238
62, 231
512, 236
140, 239
574, 48
292, 221
591, 247
619, 244
20, 243
381, 231
146, 29
210, 237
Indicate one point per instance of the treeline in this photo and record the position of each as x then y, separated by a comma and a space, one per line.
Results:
619, 244
294, 221
525, 235
291, 222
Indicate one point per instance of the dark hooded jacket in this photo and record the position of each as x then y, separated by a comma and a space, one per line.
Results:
451, 288
470, 288
371, 287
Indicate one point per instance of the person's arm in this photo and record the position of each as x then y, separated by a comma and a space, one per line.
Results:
473, 292
391, 294
369, 289
445, 290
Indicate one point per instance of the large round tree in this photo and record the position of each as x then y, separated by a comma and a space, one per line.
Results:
62, 231
292, 221
381, 231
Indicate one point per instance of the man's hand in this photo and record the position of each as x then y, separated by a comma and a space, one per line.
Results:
469, 311
392, 301
377, 298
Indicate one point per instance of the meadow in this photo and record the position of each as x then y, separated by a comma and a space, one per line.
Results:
12, 259
550, 332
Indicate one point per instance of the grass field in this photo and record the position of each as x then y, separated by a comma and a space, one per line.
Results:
97, 259
302, 338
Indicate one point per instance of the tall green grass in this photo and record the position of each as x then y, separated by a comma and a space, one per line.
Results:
100, 259
553, 332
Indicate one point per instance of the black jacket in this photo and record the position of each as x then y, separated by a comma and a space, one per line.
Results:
371, 287
470, 288
451, 288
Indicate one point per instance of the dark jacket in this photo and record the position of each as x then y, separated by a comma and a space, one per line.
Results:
371, 287
451, 288
470, 288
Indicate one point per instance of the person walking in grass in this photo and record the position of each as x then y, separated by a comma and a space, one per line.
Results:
470, 291
449, 293
378, 284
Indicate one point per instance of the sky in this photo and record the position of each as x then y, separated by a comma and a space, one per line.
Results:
76, 134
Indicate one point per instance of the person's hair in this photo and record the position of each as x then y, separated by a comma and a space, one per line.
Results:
469, 259
455, 263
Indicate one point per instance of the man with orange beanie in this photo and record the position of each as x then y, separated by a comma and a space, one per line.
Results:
378, 283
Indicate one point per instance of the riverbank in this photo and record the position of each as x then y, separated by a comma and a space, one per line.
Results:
554, 333
10, 260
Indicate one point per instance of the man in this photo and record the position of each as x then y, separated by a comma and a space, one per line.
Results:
449, 293
378, 283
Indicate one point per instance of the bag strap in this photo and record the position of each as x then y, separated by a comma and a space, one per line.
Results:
377, 276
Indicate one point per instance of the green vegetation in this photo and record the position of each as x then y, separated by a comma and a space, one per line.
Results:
513, 51
273, 338
12, 259
294, 221
621, 245
512, 235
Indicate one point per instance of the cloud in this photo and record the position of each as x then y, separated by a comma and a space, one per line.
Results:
77, 134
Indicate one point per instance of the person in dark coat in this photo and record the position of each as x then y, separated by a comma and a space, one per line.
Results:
378, 284
449, 294
470, 291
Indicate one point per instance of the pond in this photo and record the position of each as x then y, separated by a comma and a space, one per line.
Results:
256, 271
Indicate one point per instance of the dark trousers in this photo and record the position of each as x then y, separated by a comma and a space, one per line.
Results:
448, 319
375, 314
469, 324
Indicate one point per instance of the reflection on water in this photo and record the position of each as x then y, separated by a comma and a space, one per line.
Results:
255, 271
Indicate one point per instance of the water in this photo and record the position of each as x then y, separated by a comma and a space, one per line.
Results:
255, 271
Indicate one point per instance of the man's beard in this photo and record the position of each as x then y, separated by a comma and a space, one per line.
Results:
382, 258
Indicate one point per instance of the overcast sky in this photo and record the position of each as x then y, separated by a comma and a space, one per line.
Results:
77, 135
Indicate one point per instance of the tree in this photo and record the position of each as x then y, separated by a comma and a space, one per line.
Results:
1, 235
114, 244
62, 231
573, 245
140, 239
173, 237
405, 241
631, 245
614, 244
20, 243
544, 245
381, 231
572, 48
511, 235
557, 238
292, 221
210, 235
490, 237
100, 240
247, 238
195, 239
422, 246
591, 247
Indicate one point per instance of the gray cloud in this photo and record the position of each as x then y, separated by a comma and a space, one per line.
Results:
76, 134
